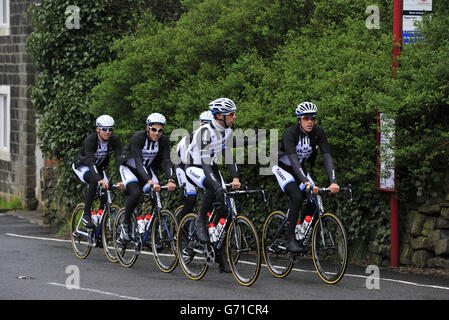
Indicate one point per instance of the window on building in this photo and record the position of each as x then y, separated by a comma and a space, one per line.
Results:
4, 17
5, 122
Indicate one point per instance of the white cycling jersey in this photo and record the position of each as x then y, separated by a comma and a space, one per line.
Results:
208, 141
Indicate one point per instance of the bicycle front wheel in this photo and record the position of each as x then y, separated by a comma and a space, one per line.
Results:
243, 251
107, 233
163, 237
274, 245
190, 250
127, 251
80, 233
329, 248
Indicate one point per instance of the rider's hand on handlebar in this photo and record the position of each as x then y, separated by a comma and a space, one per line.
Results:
315, 189
334, 188
235, 184
120, 185
156, 186
171, 186
104, 184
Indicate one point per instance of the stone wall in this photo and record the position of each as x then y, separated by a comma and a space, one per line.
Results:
425, 240
424, 233
18, 173
54, 208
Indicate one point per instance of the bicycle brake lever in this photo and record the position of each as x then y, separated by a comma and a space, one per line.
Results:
263, 194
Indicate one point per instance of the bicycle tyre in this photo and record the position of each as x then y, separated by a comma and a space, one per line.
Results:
107, 233
243, 251
326, 234
165, 255
177, 211
274, 243
194, 267
79, 233
126, 252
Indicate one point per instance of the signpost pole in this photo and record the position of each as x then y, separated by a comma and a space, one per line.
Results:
394, 203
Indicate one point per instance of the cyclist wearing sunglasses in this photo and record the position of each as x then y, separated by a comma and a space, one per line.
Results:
299, 145
147, 149
181, 149
206, 145
93, 158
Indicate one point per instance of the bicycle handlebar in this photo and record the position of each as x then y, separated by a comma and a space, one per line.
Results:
347, 190
235, 192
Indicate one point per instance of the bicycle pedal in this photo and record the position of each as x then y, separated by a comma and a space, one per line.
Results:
295, 258
99, 244
91, 238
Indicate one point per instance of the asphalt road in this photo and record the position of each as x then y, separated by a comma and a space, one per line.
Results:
37, 266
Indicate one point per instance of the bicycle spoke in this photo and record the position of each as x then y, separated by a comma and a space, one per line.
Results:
243, 251
164, 241
274, 236
330, 249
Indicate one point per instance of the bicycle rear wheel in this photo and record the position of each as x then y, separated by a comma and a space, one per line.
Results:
190, 250
163, 237
243, 251
329, 248
127, 251
274, 245
107, 233
80, 233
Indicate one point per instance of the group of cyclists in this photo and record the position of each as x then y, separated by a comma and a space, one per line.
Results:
198, 167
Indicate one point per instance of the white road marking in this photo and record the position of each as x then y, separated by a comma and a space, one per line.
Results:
294, 269
94, 290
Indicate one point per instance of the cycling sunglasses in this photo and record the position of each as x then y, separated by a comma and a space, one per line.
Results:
104, 129
156, 130
310, 118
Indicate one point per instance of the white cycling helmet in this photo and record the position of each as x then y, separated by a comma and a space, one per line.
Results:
206, 116
306, 109
156, 118
222, 106
104, 121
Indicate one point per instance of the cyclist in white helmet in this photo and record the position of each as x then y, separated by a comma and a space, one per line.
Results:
181, 149
92, 160
147, 148
299, 145
206, 145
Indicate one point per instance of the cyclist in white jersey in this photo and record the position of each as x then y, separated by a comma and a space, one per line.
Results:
181, 149
208, 142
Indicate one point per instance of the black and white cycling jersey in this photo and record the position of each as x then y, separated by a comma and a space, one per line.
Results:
298, 147
94, 155
142, 152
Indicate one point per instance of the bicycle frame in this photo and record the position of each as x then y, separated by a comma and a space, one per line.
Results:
318, 213
97, 229
156, 207
232, 211
107, 209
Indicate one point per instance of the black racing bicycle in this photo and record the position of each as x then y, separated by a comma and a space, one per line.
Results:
83, 239
328, 241
237, 234
159, 234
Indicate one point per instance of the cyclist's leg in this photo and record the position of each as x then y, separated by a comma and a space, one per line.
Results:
134, 189
189, 193
196, 175
88, 178
291, 188
221, 213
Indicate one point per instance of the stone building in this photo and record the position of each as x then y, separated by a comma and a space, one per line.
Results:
20, 159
